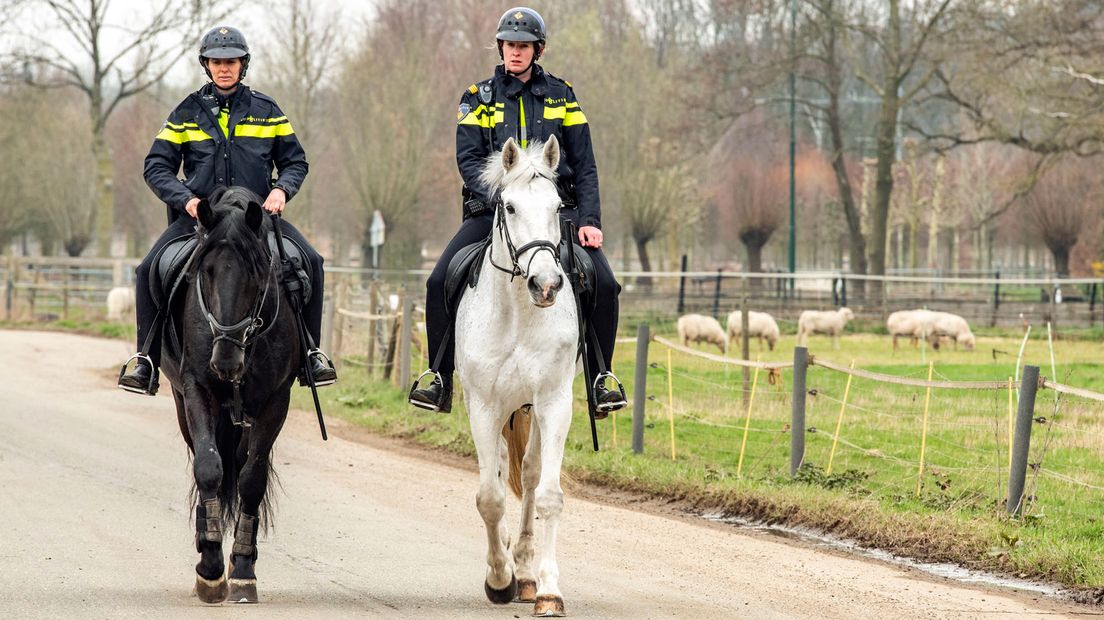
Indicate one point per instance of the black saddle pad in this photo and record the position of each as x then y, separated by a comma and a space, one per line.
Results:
463, 269
168, 267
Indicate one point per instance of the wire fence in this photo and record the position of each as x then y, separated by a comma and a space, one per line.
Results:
931, 441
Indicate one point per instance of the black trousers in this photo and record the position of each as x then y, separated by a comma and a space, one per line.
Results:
477, 228
146, 311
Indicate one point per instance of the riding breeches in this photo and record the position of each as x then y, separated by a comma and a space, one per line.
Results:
146, 310
477, 228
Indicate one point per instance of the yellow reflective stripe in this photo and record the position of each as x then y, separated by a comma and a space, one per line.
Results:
223, 122
180, 136
574, 118
263, 131
521, 114
554, 113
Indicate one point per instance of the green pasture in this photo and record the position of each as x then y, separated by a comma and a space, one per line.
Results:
871, 489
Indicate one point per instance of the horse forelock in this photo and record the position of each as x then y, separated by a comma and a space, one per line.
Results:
530, 167
233, 230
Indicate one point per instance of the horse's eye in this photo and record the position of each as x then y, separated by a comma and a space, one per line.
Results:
510, 208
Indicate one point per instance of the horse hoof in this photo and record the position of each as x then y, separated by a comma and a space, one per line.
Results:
211, 590
503, 596
549, 606
243, 591
527, 591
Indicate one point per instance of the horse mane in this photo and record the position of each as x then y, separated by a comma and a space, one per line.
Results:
530, 167
229, 205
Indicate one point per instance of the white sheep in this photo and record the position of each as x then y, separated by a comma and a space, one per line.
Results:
954, 327
915, 324
701, 328
120, 303
760, 325
830, 323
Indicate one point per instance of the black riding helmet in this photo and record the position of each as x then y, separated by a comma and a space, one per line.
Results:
224, 42
521, 24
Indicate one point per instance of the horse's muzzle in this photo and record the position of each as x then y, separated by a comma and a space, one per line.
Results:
543, 289
227, 365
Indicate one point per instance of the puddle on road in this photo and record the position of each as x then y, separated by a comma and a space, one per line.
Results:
949, 571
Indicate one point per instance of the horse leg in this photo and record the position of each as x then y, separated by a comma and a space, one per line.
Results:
553, 417
210, 584
252, 485
525, 552
500, 585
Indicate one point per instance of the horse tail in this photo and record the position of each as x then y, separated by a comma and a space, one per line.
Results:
516, 432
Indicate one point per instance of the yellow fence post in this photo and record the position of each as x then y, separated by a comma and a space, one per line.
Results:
924, 432
747, 422
671, 402
839, 421
1011, 422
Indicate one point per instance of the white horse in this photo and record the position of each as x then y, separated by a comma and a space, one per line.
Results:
516, 342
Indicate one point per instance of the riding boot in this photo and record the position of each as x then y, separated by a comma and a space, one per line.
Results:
607, 399
321, 368
437, 396
142, 379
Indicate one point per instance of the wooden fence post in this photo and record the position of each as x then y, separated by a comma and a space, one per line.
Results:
405, 333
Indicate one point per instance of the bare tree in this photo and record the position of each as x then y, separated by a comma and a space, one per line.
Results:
305, 49
103, 55
1061, 206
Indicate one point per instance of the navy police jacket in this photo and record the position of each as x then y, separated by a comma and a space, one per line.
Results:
503, 107
239, 144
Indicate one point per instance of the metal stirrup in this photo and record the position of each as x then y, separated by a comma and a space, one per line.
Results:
417, 403
150, 386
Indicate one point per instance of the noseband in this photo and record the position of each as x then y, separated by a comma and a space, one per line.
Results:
515, 253
250, 323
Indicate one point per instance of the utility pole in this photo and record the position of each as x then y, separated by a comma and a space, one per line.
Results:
793, 140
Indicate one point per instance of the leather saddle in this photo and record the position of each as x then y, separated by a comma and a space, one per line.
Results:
168, 271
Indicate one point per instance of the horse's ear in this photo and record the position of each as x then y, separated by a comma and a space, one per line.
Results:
206, 214
510, 154
551, 153
254, 215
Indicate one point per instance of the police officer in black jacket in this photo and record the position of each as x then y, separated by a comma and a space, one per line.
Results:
223, 134
523, 102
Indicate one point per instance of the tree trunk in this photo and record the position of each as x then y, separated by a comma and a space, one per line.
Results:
645, 263
1061, 260
101, 219
857, 246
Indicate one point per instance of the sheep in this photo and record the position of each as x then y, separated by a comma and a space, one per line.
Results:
120, 303
954, 327
701, 328
760, 325
830, 323
915, 324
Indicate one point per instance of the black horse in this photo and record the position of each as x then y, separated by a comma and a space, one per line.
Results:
231, 362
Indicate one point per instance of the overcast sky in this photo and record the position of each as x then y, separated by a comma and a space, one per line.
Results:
253, 17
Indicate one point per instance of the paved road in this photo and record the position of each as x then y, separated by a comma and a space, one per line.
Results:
96, 524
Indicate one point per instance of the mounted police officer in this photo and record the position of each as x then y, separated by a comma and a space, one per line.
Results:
524, 102
223, 134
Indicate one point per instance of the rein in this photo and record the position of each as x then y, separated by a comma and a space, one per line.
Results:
515, 253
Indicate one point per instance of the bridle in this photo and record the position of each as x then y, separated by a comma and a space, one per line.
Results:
250, 324
515, 253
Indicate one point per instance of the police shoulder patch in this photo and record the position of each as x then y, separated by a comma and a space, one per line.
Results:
462, 112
